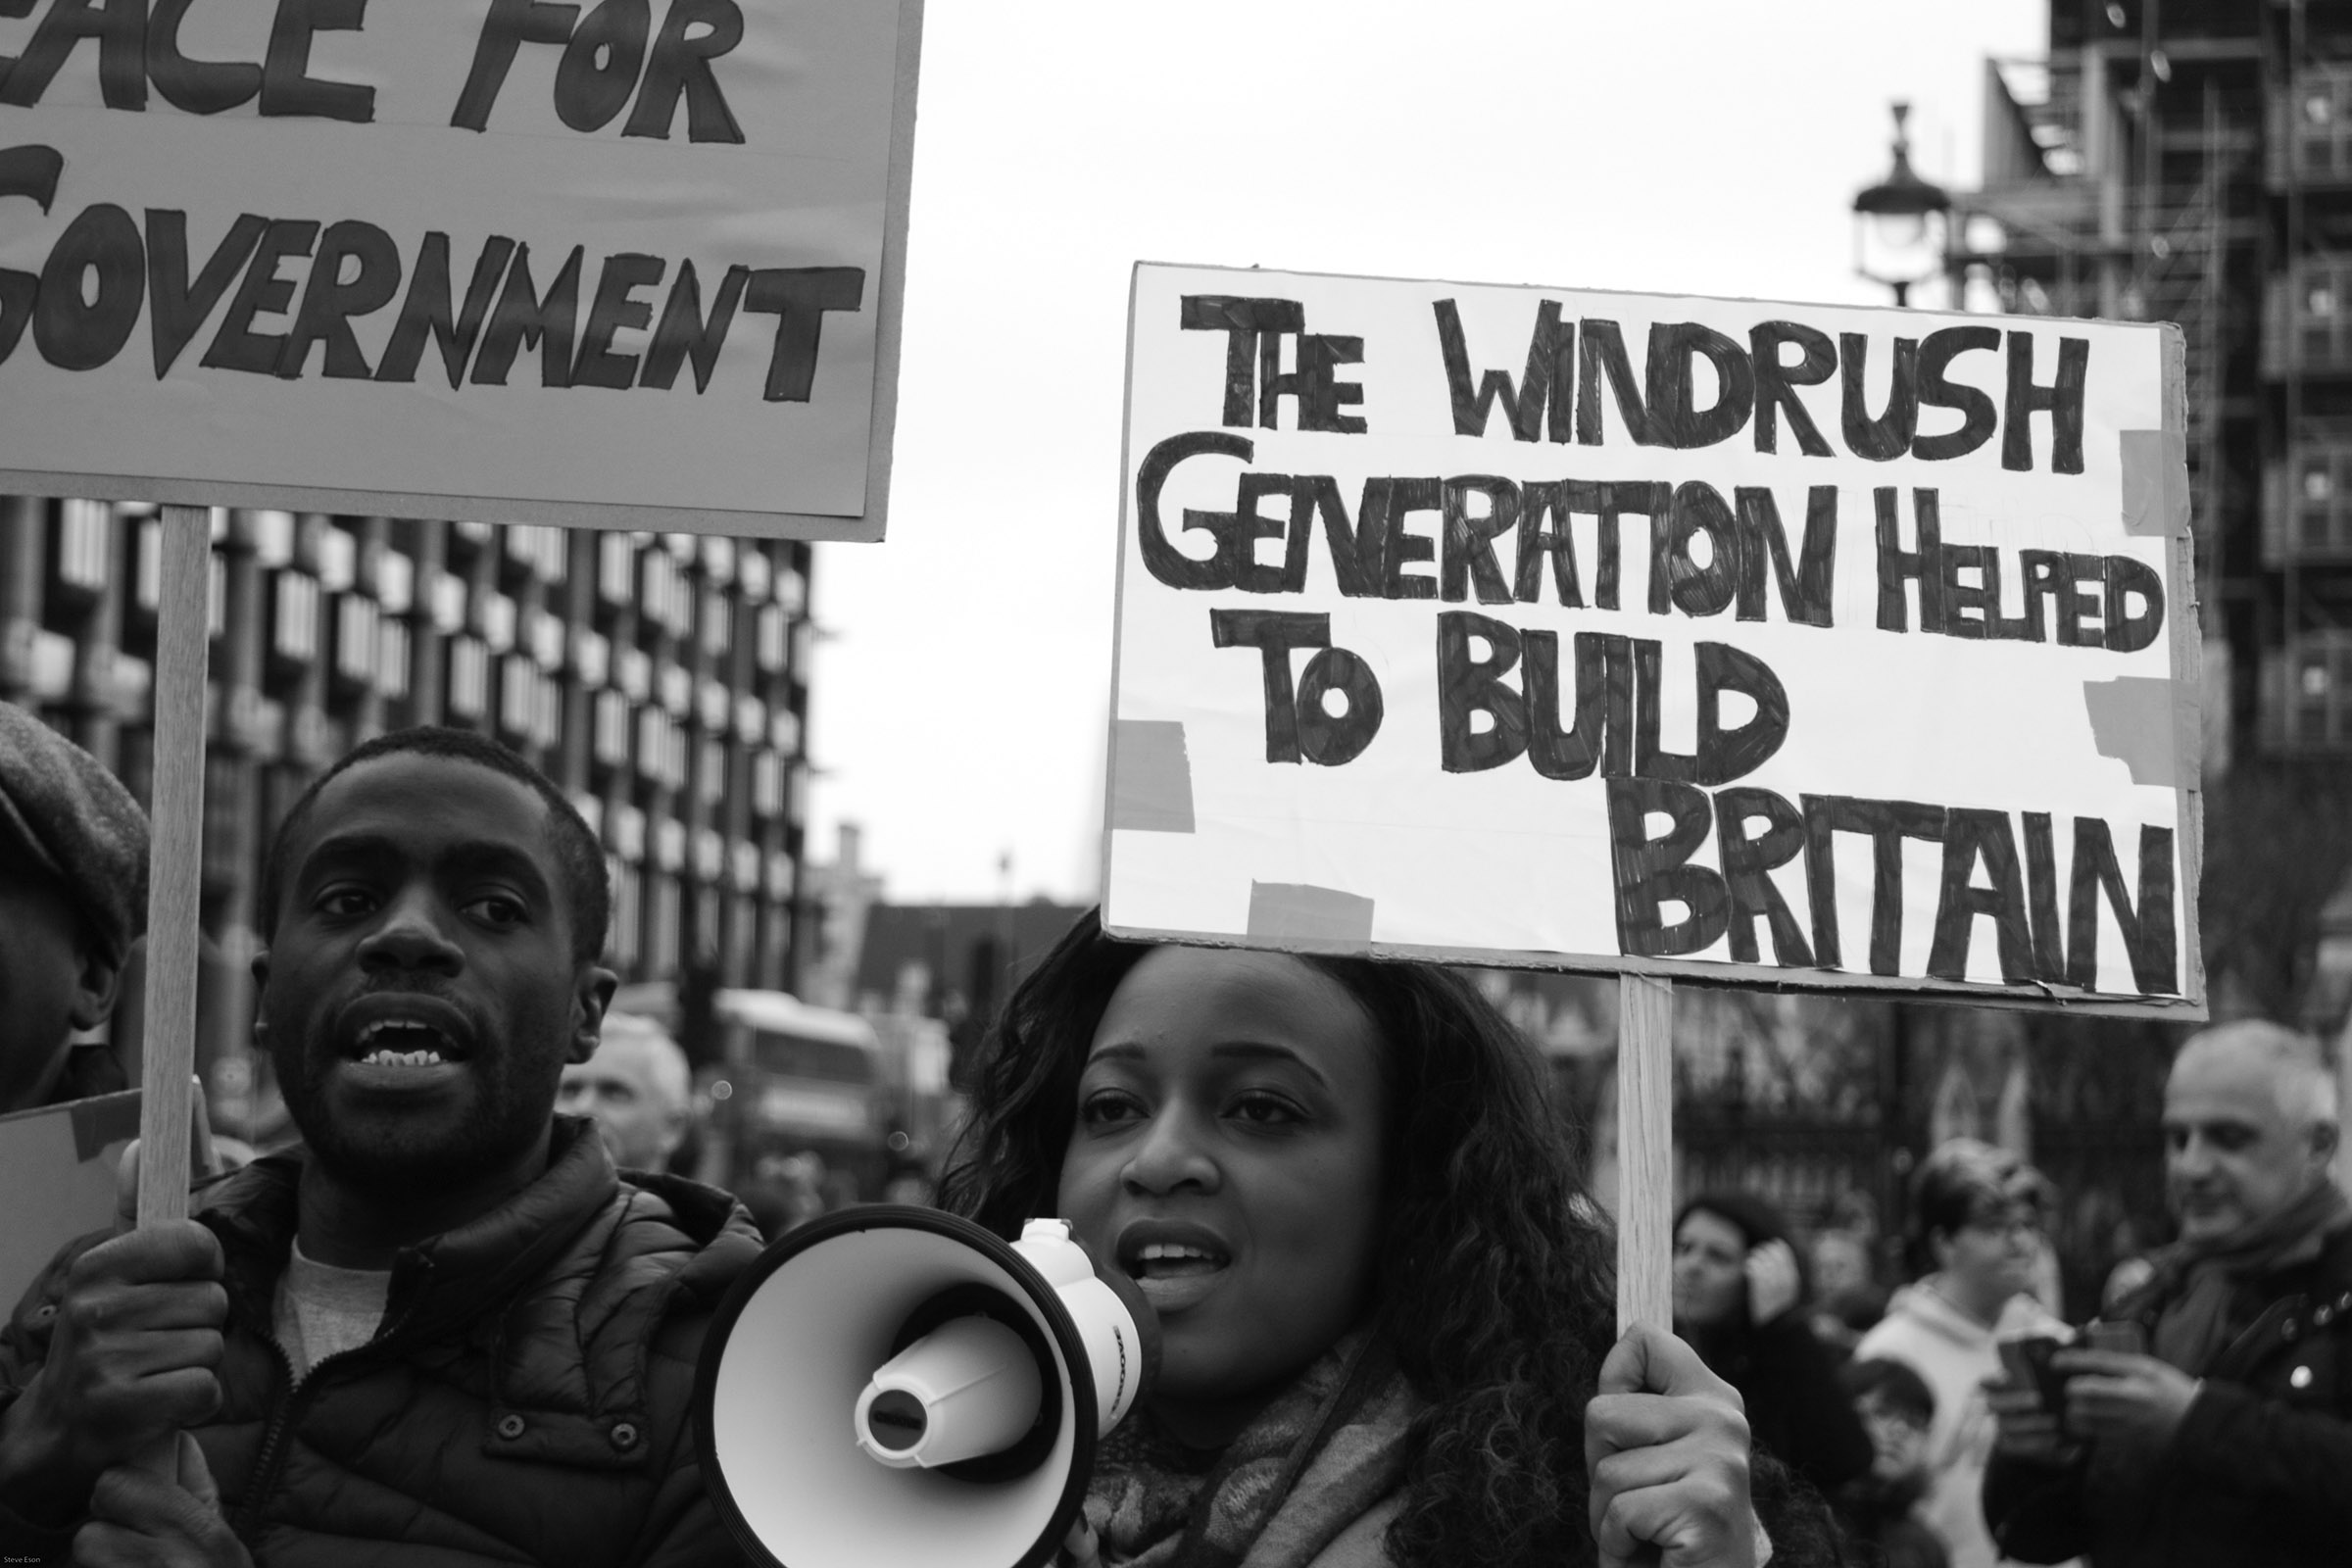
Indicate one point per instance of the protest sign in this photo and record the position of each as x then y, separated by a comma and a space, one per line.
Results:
636, 264
67, 1154
1746, 642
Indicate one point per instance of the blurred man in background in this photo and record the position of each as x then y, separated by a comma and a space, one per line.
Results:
72, 899
638, 1088
2232, 1443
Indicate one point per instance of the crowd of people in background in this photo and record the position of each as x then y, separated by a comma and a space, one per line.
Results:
2202, 1414
459, 1317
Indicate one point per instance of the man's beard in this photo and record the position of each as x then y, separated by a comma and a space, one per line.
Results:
423, 1158
399, 1166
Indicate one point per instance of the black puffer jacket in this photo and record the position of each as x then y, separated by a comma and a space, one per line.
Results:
526, 1401
2259, 1473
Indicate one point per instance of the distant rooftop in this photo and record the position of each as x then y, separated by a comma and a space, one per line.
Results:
942, 936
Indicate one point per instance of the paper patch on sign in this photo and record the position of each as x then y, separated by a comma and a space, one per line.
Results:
2155, 465
1300, 911
102, 1120
1150, 776
2131, 721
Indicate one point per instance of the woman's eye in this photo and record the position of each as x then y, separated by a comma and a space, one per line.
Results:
1266, 1111
1109, 1108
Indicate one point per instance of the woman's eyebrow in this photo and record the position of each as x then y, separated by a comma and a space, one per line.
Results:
1262, 1050
1122, 1050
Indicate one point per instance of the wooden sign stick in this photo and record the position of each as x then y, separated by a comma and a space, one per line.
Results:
175, 862
1645, 1152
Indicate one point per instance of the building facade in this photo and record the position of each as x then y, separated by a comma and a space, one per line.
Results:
2190, 161
662, 680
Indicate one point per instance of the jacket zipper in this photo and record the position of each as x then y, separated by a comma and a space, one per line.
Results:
270, 1465
271, 1459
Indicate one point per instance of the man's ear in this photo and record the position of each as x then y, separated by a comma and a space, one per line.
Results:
592, 996
94, 986
2325, 1136
1939, 1247
675, 1119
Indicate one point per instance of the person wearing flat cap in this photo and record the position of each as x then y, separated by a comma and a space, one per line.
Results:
72, 899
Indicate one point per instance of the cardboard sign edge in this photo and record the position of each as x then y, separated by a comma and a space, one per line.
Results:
2188, 676
118, 487
1701, 972
1118, 593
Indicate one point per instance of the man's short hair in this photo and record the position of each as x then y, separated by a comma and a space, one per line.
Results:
587, 886
1966, 1179
2305, 1088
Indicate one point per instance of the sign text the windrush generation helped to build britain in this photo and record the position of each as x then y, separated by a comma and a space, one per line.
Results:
1825, 646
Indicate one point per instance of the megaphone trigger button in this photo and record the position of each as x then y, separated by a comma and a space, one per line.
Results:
624, 1436
510, 1427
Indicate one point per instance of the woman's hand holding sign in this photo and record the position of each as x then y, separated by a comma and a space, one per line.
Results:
1666, 1442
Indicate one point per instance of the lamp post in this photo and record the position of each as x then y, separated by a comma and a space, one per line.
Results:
1901, 238
1899, 222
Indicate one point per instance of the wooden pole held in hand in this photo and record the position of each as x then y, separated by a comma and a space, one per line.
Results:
1645, 1152
175, 862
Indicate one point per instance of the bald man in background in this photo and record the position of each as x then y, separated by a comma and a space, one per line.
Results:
637, 1087
2232, 1443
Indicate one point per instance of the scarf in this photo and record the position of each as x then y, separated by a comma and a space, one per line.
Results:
2196, 1281
1329, 1448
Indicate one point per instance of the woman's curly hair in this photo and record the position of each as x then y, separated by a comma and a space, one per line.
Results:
1494, 1285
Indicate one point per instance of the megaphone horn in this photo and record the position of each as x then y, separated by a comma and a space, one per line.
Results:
891, 1384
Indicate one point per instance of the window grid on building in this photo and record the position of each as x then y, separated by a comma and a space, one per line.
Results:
609, 660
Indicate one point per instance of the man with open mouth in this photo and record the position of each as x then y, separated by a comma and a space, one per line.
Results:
443, 1329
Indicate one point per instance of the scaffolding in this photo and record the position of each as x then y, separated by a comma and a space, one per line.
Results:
2190, 161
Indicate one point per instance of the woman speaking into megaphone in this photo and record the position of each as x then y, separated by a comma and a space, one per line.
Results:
1385, 1300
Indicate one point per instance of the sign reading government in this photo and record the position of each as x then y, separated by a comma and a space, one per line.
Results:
633, 261
1771, 643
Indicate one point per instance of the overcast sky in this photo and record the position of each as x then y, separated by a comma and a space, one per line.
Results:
961, 695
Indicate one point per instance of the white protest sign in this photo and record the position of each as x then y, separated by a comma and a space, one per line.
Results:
636, 264
1767, 643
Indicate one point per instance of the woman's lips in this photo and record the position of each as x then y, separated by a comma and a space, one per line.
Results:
1173, 1291
1175, 1264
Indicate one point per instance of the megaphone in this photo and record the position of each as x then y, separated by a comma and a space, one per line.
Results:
897, 1385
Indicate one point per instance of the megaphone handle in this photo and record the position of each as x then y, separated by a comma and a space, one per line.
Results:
1082, 1547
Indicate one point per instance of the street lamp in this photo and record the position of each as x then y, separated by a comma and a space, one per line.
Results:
1899, 222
